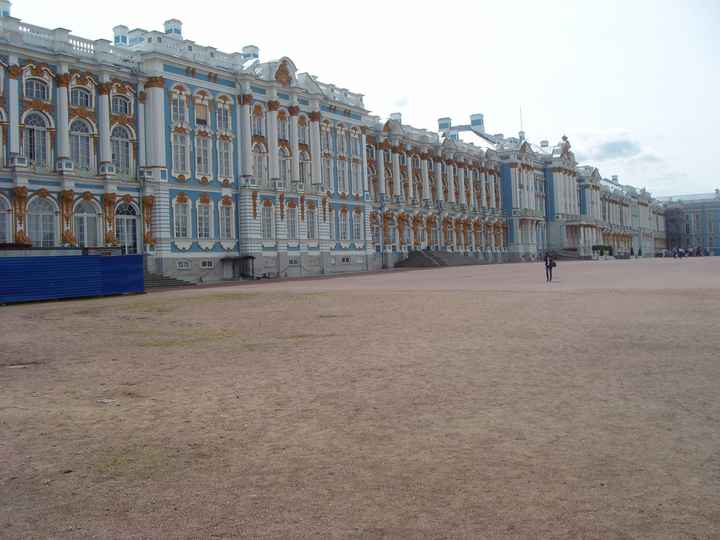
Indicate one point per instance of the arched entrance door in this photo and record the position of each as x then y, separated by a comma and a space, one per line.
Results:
126, 225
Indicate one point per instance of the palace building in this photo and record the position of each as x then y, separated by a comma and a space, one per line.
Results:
223, 165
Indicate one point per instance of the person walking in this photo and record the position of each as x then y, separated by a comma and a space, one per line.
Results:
549, 265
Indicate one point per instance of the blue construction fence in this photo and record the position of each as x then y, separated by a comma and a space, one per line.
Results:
30, 278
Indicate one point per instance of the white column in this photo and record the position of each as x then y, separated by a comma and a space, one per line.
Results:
491, 185
483, 193
425, 178
244, 157
380, 168
472, 203
272, 140
363, 141
438, 183
315, 144
155, 112
63, 122
409, 160
294, 144
451, 182
141, 157
13, 110
103, 117
397, 177
461, 182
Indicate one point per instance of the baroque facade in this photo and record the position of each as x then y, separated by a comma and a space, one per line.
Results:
693, 221
217, 166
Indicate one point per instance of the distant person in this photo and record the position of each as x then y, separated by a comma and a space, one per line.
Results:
549, 265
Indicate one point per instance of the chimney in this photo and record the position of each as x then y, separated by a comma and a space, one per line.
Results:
173, 27
615, 178
544, 143
397, 117
250, 51
521, 136
444, 124
120, 34
5, 7
477, 122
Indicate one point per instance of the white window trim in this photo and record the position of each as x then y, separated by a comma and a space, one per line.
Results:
181, 241
205, 243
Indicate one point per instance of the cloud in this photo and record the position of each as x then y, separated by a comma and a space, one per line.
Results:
615, 147
401, 102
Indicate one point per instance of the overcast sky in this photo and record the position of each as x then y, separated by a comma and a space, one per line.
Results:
634, 84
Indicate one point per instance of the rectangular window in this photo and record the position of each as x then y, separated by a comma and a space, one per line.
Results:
311, 224
357, 226
226, 220
327, 173
207, 264
224, 158
203, 215
267, 222
356, 178
202, 156
181, 220
223, 119
344, 226
201, 114
183, 265
342, 176
292, 223
177, 111
180, 161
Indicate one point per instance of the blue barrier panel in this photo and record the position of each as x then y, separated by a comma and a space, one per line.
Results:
24, 279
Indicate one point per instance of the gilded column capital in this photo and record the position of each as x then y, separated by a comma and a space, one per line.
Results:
14, 72
273, 105
155, 82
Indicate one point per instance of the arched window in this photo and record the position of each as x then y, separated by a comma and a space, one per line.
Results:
5, 221
35, 140
120, 105
79, 97
126, 221
42, 222
302, 130
285, 166
178, 108
87, 224
201, 113
80, 144
267, 222
283, 127
204, 222
36, 89
260, 162
180, 153
258, 125
305, 169
120, 139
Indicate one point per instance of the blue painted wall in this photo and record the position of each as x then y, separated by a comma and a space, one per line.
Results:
42, 278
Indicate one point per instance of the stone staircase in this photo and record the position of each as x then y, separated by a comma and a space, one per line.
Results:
157, 281
430, 259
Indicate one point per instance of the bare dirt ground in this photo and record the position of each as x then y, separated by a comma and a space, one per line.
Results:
472, 402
